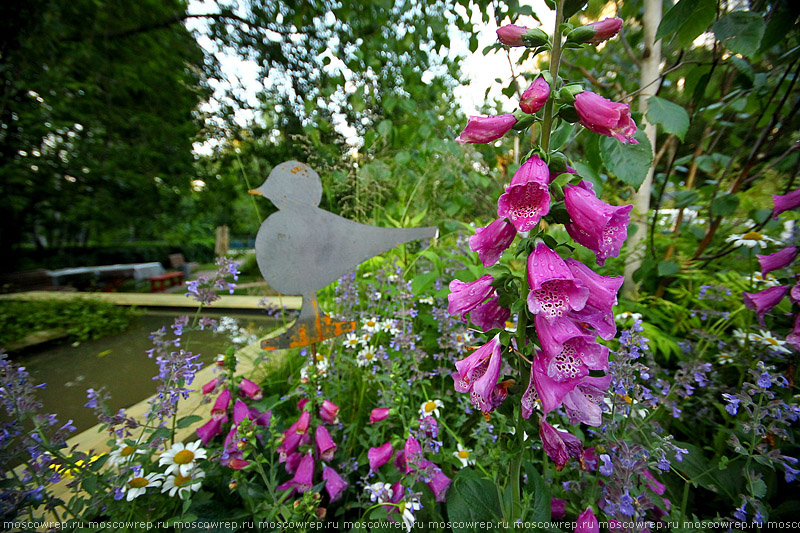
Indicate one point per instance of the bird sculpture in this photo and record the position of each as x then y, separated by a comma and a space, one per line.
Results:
301, 248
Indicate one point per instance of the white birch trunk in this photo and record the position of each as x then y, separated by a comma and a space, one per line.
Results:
651, 66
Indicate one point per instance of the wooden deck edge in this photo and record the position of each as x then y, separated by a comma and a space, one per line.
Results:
160, 300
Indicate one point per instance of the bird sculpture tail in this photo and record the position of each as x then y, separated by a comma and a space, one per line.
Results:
312, 326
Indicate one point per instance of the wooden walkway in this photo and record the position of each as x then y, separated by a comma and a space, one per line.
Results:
159, 300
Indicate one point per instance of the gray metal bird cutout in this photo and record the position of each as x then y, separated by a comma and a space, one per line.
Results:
302, 248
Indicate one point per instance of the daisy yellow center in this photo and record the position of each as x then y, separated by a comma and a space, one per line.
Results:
369, 355
181, 480
430, 406
320, 357
752, 236
184, 457
138, 483
463, 454
459, 338
773, 342
352, 342
126, 451
371, 323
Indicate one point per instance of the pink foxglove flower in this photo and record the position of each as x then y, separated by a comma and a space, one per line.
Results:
490, 242
211, 429
795, 293
235, 460
240, 412
464, 297
535, 96
490, 315
325, 445
792, 338
334, 484
511, 34
472, 367
220, 407
413, 458
259, 418
596, 225
527, 199
605, 29
785, 202
378, 414
379, 456
250, 389
293, 461
602, 289
550, 392
439, 483
303, 423
762, 302
303, 478
559, 445
209, 387
583, 403
558, 508
587, 523
593, 318
554, 289
529, 398
483, 389
605, 117
329, 411
482, 130
570, 352
777, 260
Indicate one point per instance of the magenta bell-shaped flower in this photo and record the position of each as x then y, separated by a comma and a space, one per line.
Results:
303, 478
439, 483
602, 289
554, 289
209, 387
795, 293
527, 199
483, 388
551, 393
329, 411
605, 117
762, 302
464, 297
583, 403
220, 407
490, 242
250, 389
587, 523
293, 461
378, 414
792, 338
558, 508
211, 429
529, 398
777, 260
413, 458
785, 202
334, 484
600, 320
259, 418
482, 130
490, 315
596, 225
511, 34
570, 351
379, 456
535, 96
325, 445
605, 29
303, 423
559, 445
472, 367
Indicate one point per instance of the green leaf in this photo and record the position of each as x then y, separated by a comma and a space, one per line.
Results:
385, 128
668, 268
472, 499
423, 281
686, 20
759, 488
725, 205
561, 136
541, 495
402, 157
628, 162
741, 32
589, 174
187, 421
685, 198
672, 117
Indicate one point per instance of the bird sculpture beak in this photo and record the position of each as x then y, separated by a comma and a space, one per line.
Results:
255, 192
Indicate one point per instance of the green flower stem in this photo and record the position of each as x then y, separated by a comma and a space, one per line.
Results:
555, 59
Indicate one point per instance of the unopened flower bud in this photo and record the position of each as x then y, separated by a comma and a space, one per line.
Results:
232, 485
535, 96
581, 34
513, 35
321, 512
605, 29
296, 504
240, 445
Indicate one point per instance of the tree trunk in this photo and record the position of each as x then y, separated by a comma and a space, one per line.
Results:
651, 66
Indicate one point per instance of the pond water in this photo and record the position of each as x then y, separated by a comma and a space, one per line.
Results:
118, 362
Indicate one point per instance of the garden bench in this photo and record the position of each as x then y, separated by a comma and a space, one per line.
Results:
157, 283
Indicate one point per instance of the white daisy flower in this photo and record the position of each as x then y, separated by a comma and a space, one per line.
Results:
463, 455
122, 453
137, 485
353, 341
407, 510
386, 325
751, 240
182, 458
380, 492
773, 343
183, 485
366, 356
625, 315
462, 338
724, 358
392, 277
427, 300
431, 408
768, 281
371, 324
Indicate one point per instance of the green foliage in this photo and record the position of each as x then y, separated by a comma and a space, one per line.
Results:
473, 500
672, 117
628, 162
80, 319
